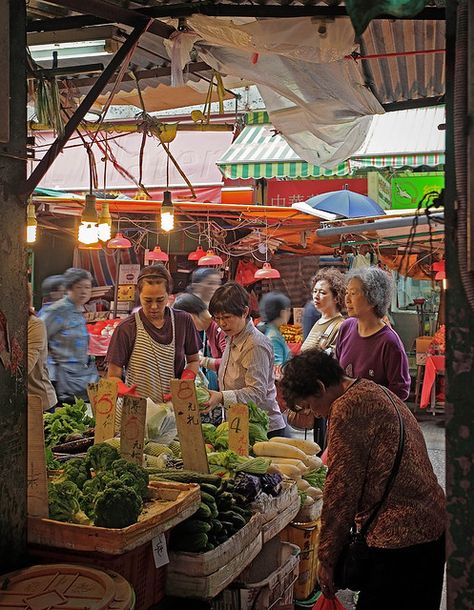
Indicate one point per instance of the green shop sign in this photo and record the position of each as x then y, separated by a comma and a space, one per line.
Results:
408, 191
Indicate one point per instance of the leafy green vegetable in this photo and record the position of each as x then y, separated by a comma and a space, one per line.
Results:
230, 462
257, 433
68, 419
222, 436
75, 470
100, 457
51, 462
91, 489
209, 433
203, 396
316, 478
258, 416
117, 506
64, 503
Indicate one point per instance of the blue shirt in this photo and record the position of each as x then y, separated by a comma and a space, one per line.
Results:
281, 351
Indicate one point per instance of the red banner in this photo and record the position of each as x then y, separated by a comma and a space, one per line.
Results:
286, 192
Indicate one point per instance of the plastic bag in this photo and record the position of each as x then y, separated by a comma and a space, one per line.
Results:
324, 603
160, 422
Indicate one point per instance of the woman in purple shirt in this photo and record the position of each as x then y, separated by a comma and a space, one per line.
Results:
366, 347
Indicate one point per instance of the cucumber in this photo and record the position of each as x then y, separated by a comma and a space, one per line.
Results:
235, 518
183, 476
210, 489
191, 543
209, 547
203, 512
217, 526
193, 526
207, 498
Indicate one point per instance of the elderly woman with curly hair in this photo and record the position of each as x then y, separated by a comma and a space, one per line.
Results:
406, 538
328, 298
366, 346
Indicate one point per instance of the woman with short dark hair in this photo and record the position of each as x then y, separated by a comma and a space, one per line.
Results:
246, 370
69, 363
366, 346
275, 310
406, 538
155, 344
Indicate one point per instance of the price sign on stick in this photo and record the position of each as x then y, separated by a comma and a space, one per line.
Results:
92, 390
188, 423
132, 429
37, 482
238, 418
105, 410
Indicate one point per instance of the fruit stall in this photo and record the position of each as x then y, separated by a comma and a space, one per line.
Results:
181, 511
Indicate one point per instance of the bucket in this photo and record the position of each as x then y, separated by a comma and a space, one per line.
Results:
306, 536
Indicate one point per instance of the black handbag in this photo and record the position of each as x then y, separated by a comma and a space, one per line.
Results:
353, 562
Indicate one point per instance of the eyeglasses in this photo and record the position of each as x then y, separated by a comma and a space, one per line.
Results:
224, 317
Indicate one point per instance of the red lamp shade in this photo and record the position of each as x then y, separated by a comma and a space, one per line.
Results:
96, 246
119, 242
440, 268
210, 260
267, 273
196, 254
157, 254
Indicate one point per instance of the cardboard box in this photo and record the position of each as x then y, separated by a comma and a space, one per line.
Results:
422, 347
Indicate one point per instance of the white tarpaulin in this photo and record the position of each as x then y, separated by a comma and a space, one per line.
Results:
314, 94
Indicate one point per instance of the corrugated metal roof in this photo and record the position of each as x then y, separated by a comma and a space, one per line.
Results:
404, 77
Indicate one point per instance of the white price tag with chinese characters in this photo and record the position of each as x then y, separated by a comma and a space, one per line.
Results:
160, 551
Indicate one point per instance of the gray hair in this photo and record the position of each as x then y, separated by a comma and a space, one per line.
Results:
377, 286
74, 275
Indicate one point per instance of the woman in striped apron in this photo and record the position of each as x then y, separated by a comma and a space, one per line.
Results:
156, 344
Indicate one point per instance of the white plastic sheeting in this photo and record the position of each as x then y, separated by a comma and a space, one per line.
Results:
315, 96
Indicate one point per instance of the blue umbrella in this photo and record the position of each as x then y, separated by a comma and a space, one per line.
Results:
345, 203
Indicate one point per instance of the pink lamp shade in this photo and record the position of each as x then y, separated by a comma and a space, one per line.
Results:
197, 254
96, 246
210, 260
440, 268
119, 242
157, 254
267, 273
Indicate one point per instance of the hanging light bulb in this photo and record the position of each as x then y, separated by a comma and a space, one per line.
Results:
157, 254
210, 260
197, 254
167, 212
31, 223
267, 273
119, 242
88, 229
105, 223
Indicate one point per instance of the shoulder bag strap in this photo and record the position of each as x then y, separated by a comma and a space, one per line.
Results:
393, 473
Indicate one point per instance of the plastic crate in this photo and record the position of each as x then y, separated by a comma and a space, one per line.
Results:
136, 566
267, 583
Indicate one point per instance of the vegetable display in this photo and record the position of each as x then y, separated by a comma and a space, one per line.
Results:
69, 422
112, 498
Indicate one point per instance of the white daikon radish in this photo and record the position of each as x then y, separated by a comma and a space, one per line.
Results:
314, 492
302, 485
290, 471
298, 463
270, 449
308, 447
314, 462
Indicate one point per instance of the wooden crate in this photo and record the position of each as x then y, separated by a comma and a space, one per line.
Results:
270, 507
171, 503
282, 519
204, 564
210, 585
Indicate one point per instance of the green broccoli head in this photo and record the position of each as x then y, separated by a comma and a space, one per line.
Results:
75, 470
91, 489
121, 468
64, 503
100, 457
117, 506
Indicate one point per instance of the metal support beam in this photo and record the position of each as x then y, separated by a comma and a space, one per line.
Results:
379, 225
422, 102
114, 13
227, 10
83, 108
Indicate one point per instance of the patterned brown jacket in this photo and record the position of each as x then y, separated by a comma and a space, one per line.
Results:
363, 441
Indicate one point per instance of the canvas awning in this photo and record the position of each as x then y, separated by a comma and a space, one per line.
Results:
259, 152
404, 138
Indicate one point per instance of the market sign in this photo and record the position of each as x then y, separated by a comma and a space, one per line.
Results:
408, 191
379, 189
286, 192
